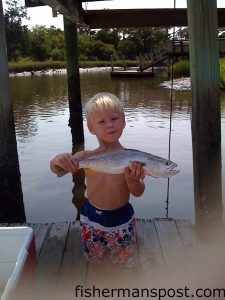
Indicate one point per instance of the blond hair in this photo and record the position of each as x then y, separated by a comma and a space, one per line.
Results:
102, 101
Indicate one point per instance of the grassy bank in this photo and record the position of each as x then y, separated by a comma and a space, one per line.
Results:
222, 73
181, 68
28, 66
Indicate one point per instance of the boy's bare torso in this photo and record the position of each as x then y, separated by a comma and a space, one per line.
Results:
106, 191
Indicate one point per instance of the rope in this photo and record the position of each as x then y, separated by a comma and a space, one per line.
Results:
171, 113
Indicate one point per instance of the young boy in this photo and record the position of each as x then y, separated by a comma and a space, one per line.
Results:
107, 218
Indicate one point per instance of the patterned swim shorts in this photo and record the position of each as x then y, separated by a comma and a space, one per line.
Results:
108, 233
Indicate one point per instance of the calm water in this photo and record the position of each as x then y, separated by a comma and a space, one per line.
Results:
41, 118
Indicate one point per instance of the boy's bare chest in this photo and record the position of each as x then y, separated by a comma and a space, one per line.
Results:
107, 191
96, 179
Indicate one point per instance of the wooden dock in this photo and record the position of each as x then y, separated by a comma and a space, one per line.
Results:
168, 252
131, 73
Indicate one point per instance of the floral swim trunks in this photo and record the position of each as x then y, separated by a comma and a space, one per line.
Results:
108, 233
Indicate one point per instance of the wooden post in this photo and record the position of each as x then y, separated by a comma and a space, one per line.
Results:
112, 63
124, 65
141, 63
79, 184
73, 81
11, 196
206, 122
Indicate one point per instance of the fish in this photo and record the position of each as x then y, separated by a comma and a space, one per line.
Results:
115, 162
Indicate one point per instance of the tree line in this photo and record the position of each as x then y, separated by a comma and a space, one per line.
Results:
41, 43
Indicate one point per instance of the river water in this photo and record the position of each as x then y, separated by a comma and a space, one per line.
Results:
41, 118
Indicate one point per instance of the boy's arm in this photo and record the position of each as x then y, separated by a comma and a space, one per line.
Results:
64, 163
134, 176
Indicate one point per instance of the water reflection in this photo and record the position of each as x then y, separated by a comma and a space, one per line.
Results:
35, 99
41, 119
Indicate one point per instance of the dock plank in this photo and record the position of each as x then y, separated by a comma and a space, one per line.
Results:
188, 236
40, 236
149, 249
74, 266
171, 244
168, 250
53, 247
50, 259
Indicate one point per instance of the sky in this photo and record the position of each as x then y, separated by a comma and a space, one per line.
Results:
43, 15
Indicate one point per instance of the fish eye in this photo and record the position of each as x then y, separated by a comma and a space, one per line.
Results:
167, 163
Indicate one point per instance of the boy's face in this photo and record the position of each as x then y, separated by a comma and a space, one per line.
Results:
107, 125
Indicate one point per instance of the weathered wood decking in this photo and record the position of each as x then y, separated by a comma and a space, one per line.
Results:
131, 73
169, 254
160, 243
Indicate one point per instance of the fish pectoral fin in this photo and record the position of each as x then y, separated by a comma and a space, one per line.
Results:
131, 162
154, 176
89, 171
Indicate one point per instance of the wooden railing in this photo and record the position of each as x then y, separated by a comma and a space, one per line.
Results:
181, 47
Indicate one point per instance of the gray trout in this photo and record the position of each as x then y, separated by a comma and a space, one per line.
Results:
115, 161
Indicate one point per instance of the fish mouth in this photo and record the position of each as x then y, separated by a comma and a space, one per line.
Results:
172, 171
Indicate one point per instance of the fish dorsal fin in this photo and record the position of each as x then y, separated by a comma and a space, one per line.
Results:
98, 152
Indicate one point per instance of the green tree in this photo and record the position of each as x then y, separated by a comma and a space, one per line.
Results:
85, 30
97, 50
58, 54
40, 49
47, 43
138, 41
108, 36
56, 43
182, 33
17, 37
127, 48
84, 43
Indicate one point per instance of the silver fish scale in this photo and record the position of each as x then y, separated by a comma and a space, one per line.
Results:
115, 161
113, 157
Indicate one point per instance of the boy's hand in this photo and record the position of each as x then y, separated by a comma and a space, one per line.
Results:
64, 162
135, 171
134, 175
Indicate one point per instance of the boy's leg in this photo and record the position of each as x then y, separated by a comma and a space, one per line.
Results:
91, 238
92, 245
121, 245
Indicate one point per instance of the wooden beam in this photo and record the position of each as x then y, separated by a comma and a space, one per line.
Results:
73, 81
34, 3
206, 122
167, 17
11, 196
113, 18
57, 5
72, 10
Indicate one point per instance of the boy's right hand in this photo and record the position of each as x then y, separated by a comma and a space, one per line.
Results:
64, 163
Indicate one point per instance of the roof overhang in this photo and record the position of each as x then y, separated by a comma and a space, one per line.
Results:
115, 18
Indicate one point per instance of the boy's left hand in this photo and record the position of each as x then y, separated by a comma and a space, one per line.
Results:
135, 171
